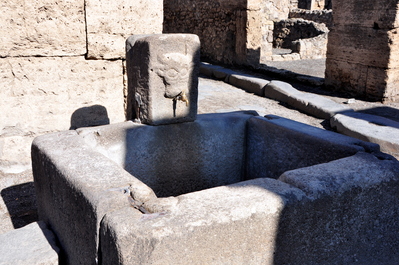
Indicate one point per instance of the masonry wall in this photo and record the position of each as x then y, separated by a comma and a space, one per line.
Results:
363, 49
231, 32
61, 67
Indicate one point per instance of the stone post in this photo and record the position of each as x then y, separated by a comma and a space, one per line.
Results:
363, 49
162, 72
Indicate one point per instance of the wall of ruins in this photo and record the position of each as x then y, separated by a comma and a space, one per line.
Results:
231, 32
363, 49
61, 67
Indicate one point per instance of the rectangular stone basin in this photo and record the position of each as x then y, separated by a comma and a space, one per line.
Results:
230, 188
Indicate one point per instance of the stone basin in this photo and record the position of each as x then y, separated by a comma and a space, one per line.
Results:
229, 188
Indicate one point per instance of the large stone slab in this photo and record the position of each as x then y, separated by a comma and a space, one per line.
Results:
235, 224
350, 218
49, 94
72, 197
162, 72
42, 27
366, 127
110, 23
288, 145
33, 244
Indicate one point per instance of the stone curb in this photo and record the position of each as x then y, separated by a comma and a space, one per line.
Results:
371, 128
344, 119
315, 105
33, 244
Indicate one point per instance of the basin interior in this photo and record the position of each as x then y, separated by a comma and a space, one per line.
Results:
215, 150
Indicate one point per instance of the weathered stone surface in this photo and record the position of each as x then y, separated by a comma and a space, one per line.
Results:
72, 196
351, 217
42, 27
289, 145
249, 83
316, 105
319, 16
184, 157
365, 46
230, 31
271, 221
312, 48
110, 23
50, 94
162, 74
362, 170
281, 91
371, 128
234, 224
288, 30
33, 244
368, 14
82, 175
362, 50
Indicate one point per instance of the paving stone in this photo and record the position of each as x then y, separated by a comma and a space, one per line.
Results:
308, 103
367, 127
280, 91
33, 244
249, 83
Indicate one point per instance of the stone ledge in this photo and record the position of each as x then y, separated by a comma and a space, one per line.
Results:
367, 127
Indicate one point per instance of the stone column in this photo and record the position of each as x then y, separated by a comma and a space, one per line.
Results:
363, 49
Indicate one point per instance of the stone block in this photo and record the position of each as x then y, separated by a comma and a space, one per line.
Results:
110, 23
280, 91
368, 14
288, 145
249, 83
174, 210
42, 28
72, 197
362, 80
316, 105
184, 157
51, 94
162, 74
365, 46
371, 128
33, 244
351, 215
234, 224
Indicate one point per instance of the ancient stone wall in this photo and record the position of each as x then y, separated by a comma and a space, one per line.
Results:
48, 82
319, 16
363, 49
288, 30
219, 24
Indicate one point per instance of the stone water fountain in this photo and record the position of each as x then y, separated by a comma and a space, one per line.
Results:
229, 188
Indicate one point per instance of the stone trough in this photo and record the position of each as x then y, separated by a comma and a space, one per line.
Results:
227, 188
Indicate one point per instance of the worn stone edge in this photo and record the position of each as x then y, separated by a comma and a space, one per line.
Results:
308, 103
